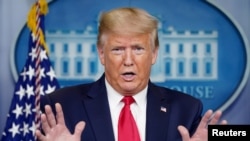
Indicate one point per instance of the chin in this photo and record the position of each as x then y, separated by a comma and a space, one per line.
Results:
129, 89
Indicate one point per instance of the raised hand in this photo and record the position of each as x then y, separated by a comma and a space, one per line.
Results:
54, 127
201, 133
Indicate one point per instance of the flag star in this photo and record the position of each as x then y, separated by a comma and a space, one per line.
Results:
14, 129
25, 128
21, 92
33, 54
51, 74
30, 72
30, 90
27, 109
42, 75
41, 90
23, 74
43, 55
33, 128
34, 110
50, 89
18, 111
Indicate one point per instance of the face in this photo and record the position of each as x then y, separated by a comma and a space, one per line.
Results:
127, 61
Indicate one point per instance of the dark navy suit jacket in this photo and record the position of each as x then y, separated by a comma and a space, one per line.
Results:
89, 103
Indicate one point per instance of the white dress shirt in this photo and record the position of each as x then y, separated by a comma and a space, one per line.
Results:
138, 109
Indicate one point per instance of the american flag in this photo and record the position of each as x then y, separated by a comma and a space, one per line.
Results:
36, 78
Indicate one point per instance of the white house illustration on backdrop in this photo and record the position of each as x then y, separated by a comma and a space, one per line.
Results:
183, 55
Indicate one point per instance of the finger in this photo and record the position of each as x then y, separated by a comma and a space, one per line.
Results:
50, 116
205, 119
223, 122
59, 114
216, 117
79, 128
39, 135
184, 133
45, 124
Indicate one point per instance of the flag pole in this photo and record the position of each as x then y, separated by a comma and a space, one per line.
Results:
37, 67
34, 24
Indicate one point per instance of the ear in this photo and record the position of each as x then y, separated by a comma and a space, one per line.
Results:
101, 54
155, 54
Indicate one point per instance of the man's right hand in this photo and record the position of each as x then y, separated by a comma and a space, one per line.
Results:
54, 127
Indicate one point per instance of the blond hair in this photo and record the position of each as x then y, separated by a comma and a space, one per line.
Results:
128, 21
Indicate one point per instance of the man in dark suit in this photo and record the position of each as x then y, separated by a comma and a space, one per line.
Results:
127, 47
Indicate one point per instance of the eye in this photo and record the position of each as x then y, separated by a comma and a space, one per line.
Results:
138, 50
117, 50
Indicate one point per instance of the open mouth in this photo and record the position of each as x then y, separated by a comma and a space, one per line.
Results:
128, 76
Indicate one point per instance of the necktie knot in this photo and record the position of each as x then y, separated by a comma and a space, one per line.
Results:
128, 100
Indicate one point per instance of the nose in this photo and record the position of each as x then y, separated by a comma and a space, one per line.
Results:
128, 57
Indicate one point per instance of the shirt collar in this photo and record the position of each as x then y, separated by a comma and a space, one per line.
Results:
114, 97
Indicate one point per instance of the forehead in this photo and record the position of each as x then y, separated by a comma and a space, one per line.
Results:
112, 38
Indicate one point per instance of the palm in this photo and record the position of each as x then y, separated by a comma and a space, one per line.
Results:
201, 133
60, 133
55, 128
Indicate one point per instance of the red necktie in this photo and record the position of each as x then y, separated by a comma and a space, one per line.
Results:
127, 129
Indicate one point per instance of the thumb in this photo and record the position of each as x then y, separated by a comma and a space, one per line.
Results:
184, 133
79, 128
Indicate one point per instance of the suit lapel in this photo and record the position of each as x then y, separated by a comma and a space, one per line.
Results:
157, 119
97, 108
